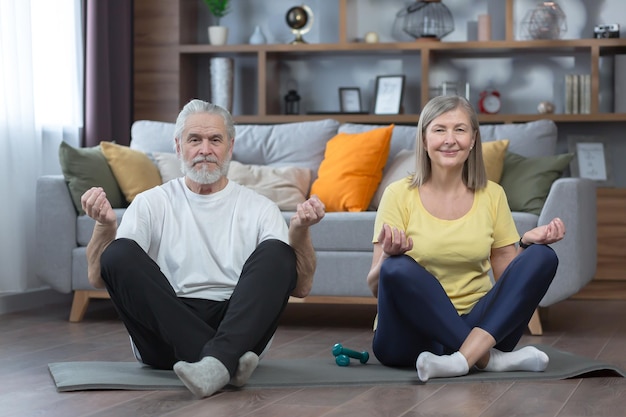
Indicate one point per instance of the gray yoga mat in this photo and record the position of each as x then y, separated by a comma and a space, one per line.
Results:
273, 373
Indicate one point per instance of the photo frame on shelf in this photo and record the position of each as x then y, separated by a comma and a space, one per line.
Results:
590, 159
350, 100
388, 94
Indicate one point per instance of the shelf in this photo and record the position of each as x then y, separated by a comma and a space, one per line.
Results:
473, 47
171, 68
411, 119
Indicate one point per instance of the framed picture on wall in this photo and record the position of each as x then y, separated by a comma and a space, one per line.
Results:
388, 95
590, 159
349, 100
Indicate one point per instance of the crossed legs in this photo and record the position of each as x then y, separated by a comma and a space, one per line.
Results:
417, 319
228, 335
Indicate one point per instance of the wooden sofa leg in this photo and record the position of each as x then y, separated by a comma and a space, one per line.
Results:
534, 325
81, 301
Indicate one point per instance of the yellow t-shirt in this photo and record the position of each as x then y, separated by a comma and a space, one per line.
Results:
456, 251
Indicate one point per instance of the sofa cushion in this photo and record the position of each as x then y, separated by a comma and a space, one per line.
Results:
299, 144
286, 186
152, 136
342, 231
531, 139
84, 168
133, 170
352, 169
168, 165
527, 181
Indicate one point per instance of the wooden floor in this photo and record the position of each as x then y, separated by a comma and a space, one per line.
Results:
31, 339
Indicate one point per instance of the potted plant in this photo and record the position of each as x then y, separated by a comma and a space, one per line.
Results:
218, 8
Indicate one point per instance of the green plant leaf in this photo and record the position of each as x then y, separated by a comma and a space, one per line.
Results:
218, 8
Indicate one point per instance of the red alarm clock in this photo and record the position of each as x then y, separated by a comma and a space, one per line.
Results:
489, 102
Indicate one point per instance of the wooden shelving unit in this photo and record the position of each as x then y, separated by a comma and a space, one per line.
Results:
169, 59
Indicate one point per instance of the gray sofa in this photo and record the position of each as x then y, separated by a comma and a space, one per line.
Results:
343, 239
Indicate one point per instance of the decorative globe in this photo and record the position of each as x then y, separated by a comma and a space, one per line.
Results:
297, 17
546, 21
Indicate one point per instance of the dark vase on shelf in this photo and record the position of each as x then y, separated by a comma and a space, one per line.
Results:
292, 102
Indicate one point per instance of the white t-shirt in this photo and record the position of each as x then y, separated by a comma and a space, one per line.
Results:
201, 242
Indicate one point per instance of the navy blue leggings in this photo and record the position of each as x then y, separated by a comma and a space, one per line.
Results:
416, 315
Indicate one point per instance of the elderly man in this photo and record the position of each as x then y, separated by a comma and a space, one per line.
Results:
201, 268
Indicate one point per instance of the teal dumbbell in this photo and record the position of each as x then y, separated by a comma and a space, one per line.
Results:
343, 355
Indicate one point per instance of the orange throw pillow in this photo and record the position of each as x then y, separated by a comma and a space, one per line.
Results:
352, 169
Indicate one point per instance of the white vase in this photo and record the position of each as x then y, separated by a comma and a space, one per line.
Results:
221, 70
257, 37
218, 35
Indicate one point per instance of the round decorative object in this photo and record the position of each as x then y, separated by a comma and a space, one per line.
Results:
545, 107
546, 21
489, 102
300, 20
371, 37
426, 19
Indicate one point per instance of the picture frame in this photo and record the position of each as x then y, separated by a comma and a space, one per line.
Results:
590, 159
388, 94
350, 100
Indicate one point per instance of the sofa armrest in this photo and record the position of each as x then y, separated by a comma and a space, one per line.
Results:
56, 232
574, 201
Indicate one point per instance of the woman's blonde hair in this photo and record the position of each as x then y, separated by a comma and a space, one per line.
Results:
474, 175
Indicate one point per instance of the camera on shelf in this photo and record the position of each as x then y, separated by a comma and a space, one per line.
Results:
606, 31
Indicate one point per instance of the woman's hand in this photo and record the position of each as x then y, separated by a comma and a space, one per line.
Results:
394, 241
546, 234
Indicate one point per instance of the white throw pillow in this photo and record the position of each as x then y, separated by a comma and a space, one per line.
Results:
402, 165
168, 165
286, 186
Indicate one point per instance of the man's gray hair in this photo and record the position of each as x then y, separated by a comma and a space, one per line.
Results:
196, 106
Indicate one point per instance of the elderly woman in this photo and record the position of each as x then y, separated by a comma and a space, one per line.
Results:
437, 234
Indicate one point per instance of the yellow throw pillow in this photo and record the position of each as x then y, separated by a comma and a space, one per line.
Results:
493, 157
352, 169
133, 170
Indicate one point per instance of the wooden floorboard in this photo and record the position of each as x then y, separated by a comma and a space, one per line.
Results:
32, 339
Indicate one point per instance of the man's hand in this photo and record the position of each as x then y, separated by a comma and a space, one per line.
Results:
308, 213
96, 205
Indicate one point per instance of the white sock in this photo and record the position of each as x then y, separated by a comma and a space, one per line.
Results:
528, 358
247, 364
203, 378
430, 365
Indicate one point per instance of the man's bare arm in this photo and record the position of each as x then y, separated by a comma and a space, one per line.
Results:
307, 214
96, 205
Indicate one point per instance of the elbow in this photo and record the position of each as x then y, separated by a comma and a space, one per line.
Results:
96, 282
302, 291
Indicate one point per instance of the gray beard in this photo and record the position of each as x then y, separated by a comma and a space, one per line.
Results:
204, 175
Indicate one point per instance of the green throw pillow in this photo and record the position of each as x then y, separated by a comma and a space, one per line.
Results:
527, 181
84, 168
